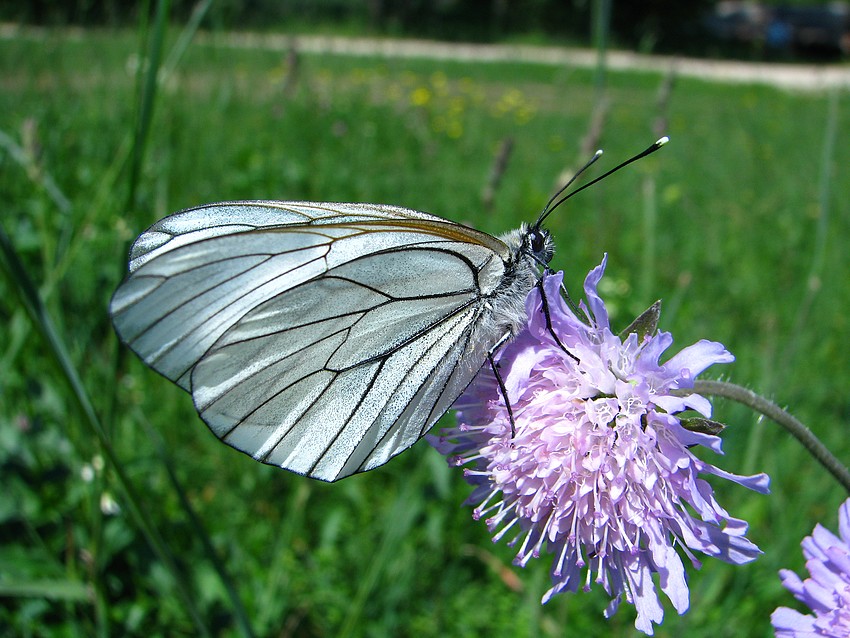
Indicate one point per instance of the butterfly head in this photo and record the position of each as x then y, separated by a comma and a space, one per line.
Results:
538, 244
530, 245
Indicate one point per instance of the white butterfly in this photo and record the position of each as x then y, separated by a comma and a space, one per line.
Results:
323, 338
326, 338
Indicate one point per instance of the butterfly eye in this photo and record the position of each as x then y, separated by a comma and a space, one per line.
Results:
537, 241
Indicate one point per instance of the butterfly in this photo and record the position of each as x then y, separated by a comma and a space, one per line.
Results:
324, 338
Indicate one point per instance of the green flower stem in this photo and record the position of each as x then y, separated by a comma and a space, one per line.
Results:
769, 409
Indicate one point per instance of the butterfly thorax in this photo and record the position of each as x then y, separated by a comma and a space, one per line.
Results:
530, 249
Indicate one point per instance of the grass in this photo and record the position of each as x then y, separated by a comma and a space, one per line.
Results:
737, 224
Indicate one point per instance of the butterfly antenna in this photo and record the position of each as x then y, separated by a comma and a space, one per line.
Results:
546, 209
550, 206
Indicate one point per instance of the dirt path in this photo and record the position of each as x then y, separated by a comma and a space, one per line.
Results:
801, 77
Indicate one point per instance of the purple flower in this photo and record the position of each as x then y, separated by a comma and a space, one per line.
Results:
827, 592
599, 471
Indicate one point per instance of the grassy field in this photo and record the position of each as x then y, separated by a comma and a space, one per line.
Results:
739, 225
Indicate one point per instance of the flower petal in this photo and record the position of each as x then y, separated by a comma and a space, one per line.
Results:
693, 360
598, 312
826, 592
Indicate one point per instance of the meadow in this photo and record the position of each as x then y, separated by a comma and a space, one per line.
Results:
738, 225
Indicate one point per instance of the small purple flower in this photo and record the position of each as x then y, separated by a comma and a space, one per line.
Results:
599, 471
827, 592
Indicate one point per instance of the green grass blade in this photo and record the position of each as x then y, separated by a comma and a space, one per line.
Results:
818, 257
21, 283
649, 228
36, 173
601, 10
400, 518
66, 590
148, 98
186, 35
200, 530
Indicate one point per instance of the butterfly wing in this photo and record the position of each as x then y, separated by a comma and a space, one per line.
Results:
323, 338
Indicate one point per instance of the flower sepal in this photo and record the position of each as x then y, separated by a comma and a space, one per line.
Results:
645, 324
702, 425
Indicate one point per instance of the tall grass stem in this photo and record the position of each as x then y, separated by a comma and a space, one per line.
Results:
21, 283
149, 62
813, 280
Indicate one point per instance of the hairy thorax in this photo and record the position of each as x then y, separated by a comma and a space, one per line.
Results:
504, 312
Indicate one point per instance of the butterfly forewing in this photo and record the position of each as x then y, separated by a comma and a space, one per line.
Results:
324, 338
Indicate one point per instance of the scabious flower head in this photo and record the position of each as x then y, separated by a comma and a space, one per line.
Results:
827, 592
599, 469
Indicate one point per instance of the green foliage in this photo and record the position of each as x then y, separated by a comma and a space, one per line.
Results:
734, 202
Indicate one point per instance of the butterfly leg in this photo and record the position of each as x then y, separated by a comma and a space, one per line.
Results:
548, 317
501, 383
570, 301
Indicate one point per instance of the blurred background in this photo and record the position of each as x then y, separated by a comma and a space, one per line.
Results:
791, 29
120, 514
